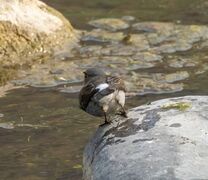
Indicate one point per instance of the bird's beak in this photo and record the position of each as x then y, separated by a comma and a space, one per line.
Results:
85, 75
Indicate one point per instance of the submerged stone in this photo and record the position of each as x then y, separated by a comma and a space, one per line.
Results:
142, 84
99, 35
137, 40
152, 27
111, 24
118, 50
87, 51
128, 18
182, 62
135, 65
147, 56
7, 125
170, 78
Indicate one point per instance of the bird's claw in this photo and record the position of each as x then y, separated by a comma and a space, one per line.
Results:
105, 123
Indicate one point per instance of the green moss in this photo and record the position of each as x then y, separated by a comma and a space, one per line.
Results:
181, 106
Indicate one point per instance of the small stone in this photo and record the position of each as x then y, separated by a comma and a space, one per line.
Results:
128, 18
69, 89
152, 27
135, 65
147, 56
119, 50
181, 62
137, 40
203, 69
56, 71
136, 84
204, 44
158, 38
170, 78
1, 115
99, 35
182, 46
165, 48
90, 51
111, 24
6, 125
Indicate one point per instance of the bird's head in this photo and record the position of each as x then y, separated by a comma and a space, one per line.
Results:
92, 72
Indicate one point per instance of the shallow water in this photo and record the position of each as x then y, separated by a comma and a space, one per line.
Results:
42, 131
186, 11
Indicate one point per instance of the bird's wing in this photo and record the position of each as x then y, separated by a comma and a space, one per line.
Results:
103, 85
115, 83
86, 93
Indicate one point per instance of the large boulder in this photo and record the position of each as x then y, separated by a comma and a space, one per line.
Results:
167, 139
31, 28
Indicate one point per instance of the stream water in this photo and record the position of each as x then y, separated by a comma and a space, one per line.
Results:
42, 131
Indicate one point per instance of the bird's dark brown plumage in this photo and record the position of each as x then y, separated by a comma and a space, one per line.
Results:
89, 89
102, 95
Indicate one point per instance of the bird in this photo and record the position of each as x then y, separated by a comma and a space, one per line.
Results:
102, 95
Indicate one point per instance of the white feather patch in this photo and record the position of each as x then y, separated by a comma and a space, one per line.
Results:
102, 86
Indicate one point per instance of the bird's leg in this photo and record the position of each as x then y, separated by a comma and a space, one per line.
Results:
105, 115
106, 119
123, 112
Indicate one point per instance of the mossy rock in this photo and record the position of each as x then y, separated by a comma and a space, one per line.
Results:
181, 106
29, 29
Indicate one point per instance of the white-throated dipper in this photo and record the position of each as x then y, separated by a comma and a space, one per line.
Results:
102, 95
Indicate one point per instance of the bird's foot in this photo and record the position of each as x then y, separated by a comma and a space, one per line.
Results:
123, 113
105, 123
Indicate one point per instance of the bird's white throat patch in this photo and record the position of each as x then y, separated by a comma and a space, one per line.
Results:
102, 86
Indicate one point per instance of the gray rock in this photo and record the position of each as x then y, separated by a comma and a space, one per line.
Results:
128, 18
147, 56
170, 78
182, 62
138, 40
152, 27
164, 140
100, 35
135, 65
111, 24
7, 125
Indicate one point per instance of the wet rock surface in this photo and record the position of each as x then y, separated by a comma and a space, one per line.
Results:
111, 24
166, 139
152, 57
